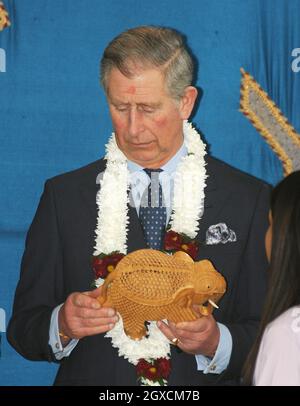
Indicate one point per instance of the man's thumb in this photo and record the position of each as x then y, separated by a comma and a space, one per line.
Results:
94, 293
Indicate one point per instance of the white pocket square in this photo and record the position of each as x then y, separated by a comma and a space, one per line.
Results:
219, 234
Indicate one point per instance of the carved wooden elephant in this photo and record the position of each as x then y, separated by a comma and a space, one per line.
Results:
150, 285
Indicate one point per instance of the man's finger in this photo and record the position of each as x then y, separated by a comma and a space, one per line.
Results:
87, 313
100, 321
196, 326
84, 300
166, 330
185, 335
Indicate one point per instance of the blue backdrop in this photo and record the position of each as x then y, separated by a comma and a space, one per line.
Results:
53, 115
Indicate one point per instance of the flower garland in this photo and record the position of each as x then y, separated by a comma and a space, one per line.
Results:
151, 354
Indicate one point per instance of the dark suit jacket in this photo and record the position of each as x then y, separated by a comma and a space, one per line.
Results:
57, 262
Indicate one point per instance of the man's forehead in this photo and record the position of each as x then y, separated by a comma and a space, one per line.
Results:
146, 87
136, 94
139, 101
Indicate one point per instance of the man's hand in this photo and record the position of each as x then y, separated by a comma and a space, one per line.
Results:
82, 315
200, 336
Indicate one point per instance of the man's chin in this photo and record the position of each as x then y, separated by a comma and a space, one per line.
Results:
146, 160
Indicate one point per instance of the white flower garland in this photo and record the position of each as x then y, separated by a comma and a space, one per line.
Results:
112, 226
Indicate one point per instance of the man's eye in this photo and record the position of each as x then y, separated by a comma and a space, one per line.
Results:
148, 109
121, 108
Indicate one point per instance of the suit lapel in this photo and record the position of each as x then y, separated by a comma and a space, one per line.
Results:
215, 198
88, 193
135, 240
210, 203
88, 190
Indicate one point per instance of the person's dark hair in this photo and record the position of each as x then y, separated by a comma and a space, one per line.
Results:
284, 276
147, 47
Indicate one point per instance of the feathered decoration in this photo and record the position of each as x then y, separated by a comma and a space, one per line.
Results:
267, 118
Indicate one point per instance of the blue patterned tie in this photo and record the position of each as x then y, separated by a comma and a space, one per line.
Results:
153, 213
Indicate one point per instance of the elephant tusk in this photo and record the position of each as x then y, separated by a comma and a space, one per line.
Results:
213, 304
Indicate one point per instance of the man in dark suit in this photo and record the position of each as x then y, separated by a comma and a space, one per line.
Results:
147, 76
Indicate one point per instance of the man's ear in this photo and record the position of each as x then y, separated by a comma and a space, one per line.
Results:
187, 102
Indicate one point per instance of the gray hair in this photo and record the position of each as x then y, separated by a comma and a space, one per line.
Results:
147, 47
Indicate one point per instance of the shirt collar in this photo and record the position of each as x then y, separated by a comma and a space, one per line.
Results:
169, 167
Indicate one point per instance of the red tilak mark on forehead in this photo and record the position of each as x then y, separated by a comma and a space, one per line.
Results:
131, 89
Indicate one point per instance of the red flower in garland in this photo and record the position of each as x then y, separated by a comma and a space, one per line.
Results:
155, 370
191, 248
177, 242
103, 264
172, 241
164, 367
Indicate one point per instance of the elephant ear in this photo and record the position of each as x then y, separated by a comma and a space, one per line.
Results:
182, 256
184, 297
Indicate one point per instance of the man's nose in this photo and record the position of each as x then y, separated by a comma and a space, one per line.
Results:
135, 122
